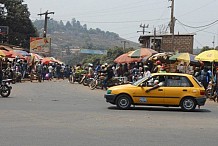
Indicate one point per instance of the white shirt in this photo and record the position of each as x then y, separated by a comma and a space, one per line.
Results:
50, 69
147, 74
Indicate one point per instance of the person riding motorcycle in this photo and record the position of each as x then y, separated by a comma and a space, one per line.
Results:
109, 75
90, 70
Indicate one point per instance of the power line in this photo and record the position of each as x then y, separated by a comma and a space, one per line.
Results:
189, 32
198, 26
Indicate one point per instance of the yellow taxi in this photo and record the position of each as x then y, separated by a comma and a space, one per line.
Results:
160, 89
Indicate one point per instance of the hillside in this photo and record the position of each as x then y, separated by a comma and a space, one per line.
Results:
74, 35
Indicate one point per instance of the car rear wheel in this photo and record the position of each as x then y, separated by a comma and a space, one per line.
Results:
188, 104
123, 102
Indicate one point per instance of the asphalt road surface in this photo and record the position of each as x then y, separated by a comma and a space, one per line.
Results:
57, 113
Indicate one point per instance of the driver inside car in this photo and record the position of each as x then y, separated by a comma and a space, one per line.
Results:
157, 84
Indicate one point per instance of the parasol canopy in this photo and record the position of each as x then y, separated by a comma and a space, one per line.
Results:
16, 55
36, 57
186, 57
47, 60
4, 53
24, 53
124, 58
143, 52
210, 55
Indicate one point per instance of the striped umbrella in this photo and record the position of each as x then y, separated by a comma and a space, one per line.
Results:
124, 58
186, 57
143, 52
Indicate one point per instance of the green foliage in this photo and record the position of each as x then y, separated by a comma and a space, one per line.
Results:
16, 17
112, 54
80, 35
205, 48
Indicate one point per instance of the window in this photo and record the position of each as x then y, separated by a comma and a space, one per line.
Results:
178, 81
155, 80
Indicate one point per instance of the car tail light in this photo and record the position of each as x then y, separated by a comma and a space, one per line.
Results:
202, 92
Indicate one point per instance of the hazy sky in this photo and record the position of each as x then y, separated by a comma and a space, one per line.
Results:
124, 16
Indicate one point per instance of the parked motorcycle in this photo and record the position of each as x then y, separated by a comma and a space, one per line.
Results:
5, 88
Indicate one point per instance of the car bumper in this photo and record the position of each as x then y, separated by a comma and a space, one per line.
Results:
201, 101
110, 98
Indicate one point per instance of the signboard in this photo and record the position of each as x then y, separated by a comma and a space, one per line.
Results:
40, 45
4, 30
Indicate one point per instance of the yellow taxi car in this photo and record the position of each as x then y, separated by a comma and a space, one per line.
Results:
161, 89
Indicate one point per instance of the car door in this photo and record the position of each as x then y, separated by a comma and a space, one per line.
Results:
176, 88
153, 97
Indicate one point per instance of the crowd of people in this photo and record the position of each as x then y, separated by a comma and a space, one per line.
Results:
20, 69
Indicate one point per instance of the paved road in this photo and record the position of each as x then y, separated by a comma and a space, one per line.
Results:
57, 113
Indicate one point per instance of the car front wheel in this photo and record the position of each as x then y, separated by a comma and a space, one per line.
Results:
188, 104
123, 102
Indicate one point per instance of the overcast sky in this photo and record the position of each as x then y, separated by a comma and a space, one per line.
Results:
124, 16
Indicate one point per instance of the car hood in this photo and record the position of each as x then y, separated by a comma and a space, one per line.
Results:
121, 87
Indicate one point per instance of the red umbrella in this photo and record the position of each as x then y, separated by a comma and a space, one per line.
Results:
5, 53
124, 58
47, 60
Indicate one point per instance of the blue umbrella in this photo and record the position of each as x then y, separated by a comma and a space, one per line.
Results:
24, 53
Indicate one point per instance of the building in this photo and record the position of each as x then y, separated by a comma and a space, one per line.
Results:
163, 42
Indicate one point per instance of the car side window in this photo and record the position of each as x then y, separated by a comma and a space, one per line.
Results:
178, 81
159, 79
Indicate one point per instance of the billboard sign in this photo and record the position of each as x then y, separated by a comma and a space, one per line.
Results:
4, 30
40, 45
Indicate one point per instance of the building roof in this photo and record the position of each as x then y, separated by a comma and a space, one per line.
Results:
169, 34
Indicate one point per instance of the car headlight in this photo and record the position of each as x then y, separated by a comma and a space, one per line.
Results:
109, 91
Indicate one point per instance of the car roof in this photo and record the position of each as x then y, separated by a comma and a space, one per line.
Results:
171, 74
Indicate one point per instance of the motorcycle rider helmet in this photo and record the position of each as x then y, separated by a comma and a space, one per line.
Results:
90, 65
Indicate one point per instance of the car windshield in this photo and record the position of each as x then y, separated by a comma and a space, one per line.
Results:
139, 81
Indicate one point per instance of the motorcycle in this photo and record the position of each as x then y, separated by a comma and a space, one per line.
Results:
5, 88
211, 92
86, 79
97, 82
76, 77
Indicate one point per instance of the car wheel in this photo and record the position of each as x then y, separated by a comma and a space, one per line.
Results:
188, 104
123, 102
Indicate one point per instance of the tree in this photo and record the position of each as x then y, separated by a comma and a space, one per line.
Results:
16, 17
68, 26
205, 48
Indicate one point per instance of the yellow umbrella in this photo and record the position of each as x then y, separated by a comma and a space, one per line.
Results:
210, 55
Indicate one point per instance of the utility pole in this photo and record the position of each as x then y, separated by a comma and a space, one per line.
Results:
124, 44
172, 24
213, 42
46, 21
143, 28
154, 43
